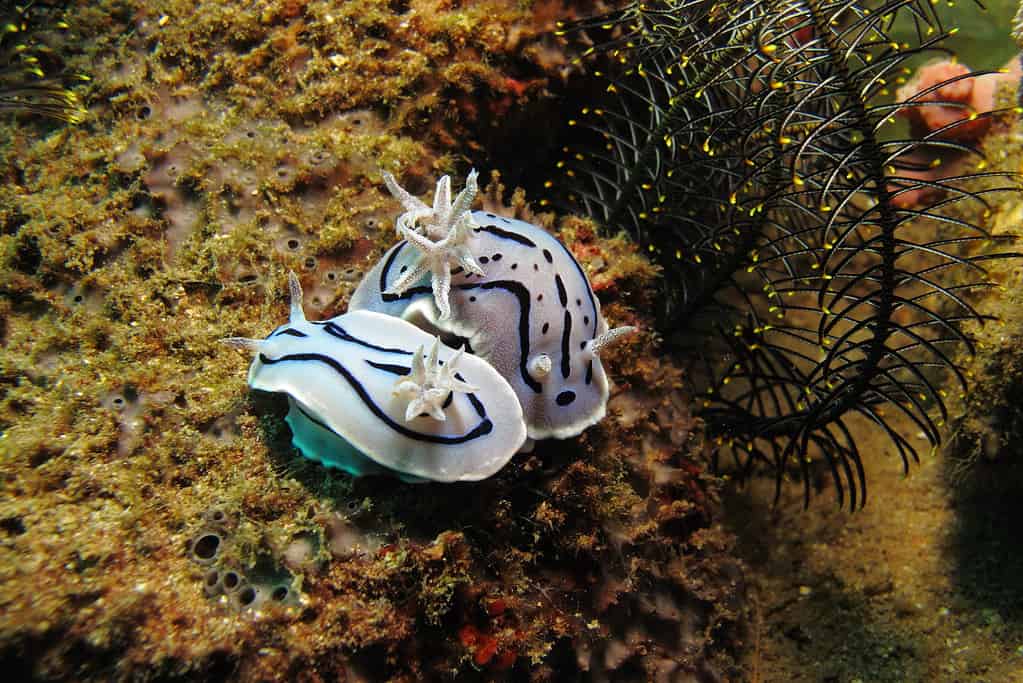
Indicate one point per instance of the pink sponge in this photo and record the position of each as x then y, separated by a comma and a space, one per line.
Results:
955, 105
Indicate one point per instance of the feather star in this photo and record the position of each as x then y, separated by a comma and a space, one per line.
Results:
441, 233
428, 384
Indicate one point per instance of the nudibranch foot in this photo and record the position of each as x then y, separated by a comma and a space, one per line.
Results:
321, 445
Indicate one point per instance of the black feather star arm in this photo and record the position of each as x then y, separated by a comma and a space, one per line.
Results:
746, 145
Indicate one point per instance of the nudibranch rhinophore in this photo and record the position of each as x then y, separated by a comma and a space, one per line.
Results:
371, 393
518, 299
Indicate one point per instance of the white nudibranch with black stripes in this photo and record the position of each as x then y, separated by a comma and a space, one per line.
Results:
377, 391
518, 299
371, 394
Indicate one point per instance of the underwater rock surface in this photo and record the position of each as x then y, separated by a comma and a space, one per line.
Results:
156, 522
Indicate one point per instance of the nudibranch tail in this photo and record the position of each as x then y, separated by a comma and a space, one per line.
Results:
594, 346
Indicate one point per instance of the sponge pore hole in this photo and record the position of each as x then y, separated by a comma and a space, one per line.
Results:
231, 581
206, 547
212, 583
246, 596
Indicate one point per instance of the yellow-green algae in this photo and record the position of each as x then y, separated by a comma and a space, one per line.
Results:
227, 144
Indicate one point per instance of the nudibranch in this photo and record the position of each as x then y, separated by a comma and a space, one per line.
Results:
370, 393
518, 300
